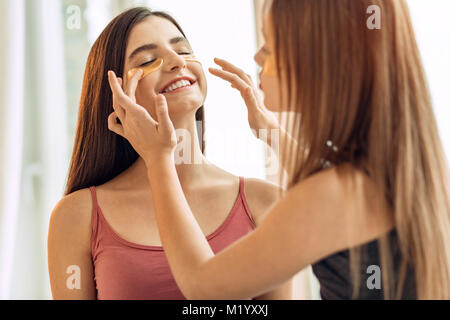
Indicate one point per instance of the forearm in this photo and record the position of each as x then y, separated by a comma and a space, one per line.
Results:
283, 292
184, 243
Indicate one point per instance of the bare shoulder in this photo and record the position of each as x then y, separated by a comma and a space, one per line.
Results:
71, 217
261, 195
69, 246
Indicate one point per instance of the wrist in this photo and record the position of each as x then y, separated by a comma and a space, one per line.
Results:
157, 162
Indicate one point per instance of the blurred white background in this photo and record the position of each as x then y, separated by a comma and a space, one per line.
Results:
42, 62
432, 26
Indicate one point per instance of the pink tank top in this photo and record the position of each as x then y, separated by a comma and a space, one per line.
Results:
124, 270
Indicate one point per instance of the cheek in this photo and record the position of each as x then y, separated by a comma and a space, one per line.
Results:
201, 81
148, 85
271, 92
145, 94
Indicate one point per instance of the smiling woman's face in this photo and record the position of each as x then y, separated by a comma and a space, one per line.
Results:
158, 37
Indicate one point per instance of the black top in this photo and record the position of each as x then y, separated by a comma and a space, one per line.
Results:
335, 281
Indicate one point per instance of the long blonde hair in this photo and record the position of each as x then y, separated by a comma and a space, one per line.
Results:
365, 91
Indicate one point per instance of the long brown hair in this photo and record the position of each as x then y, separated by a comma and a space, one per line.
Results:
99, 154
361, 97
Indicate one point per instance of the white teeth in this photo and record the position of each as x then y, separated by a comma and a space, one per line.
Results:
178, 84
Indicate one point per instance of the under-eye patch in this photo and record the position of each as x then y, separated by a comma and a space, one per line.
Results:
270, 67
150, 68
192, 59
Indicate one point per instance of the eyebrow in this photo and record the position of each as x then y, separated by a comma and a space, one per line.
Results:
152, 46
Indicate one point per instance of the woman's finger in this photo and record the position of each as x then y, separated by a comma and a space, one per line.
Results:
232, 78
133, 83
114, 126
162, 113
121, 98
247, 92
117, 108
122, 110
251, 101
227, 66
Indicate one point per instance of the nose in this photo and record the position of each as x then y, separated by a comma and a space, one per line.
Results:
257, 58
175, 62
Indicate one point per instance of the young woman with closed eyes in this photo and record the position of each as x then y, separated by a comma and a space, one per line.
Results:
106, 223
368, 179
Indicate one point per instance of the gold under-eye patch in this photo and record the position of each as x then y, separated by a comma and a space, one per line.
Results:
192, 59
270, 67
150, 68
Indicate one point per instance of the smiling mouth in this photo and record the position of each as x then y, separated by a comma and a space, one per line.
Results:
178, 86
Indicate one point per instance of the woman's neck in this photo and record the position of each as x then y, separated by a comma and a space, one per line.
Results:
189, 159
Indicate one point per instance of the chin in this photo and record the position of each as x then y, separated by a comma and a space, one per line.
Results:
271, 105
183, 105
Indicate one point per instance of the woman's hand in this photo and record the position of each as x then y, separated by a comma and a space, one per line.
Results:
259, 117
153, 141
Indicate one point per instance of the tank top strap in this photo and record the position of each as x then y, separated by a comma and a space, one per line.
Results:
241, 186
244, 200
94, 219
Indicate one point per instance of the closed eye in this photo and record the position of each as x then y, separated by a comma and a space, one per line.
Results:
180, 53
148, 62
